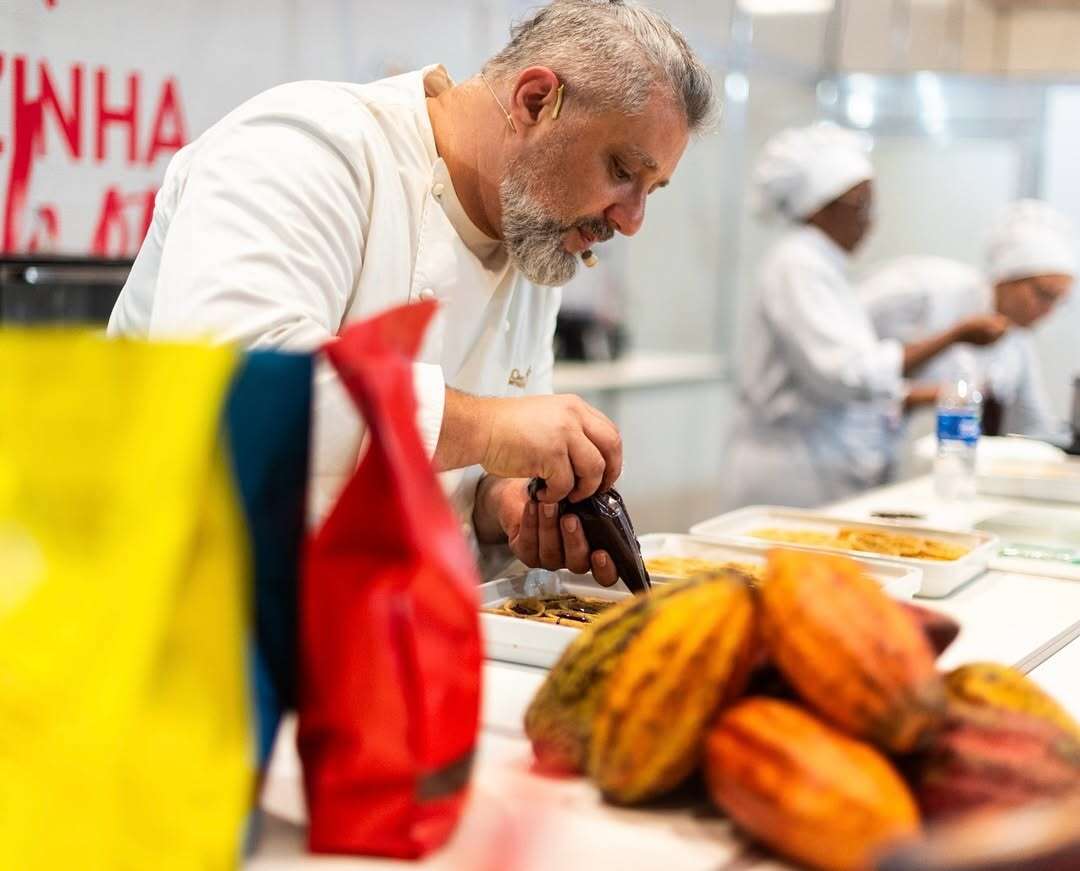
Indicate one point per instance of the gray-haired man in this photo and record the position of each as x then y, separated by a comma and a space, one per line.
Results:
316, 204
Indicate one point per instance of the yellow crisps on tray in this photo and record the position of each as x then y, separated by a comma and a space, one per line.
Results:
125, 723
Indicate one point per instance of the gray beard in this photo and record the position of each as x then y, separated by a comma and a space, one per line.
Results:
534, 241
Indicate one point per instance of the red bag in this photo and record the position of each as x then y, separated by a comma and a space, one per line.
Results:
389, 630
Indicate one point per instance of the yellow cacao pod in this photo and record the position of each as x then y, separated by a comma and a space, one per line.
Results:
990, 685
558, 721
688, 660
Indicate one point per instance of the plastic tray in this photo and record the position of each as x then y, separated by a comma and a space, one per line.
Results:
899, 581
1056, 482
939, 577
528, 642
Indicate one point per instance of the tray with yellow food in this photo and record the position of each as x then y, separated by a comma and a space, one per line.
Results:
671, 556
946, 558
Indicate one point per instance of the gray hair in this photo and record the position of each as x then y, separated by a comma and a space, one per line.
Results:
612, 53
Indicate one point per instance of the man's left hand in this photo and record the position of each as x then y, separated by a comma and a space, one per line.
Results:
535, 533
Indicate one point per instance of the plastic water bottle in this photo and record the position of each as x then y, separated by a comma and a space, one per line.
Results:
959, 425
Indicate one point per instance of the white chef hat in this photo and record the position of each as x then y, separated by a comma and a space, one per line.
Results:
802, 169
1031, 238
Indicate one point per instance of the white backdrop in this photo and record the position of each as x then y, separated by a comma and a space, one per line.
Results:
1058, 346
96, 97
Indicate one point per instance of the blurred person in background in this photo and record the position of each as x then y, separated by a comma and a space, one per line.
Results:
316, 204
1030, 269
818, 392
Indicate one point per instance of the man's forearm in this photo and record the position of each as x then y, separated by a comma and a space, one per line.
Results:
465, 432
919, 395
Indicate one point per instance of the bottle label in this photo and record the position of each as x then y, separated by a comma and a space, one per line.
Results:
958, 426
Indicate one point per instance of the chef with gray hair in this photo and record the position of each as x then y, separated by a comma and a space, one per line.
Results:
316, 204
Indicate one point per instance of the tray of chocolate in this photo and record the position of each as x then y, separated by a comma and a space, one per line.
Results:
531, 618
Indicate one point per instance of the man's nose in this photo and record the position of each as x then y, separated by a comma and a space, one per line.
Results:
628, 215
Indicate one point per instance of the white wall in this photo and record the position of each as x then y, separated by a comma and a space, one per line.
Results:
938, 197
1058, 345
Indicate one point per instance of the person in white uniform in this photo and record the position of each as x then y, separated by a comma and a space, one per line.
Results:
817, 391
1031, 265
316, 204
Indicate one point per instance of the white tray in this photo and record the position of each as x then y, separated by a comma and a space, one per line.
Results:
939, 577
528, 642
900, 582
1056, 482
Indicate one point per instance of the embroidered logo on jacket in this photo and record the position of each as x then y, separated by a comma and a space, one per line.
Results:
519, 379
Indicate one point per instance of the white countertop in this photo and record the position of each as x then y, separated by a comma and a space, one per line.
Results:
520, 821
638, 370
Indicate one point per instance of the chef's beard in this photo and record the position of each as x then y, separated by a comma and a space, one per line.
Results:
532, 235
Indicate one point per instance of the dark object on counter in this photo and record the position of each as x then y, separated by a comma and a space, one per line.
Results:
1042, 837
584, 337
993, 415
45, 288
1074, 448
940, 629
898, 515
606, 524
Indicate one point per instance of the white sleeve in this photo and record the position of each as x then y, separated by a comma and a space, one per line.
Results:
266, 242
265, 249
823, 335
902, 314
430, 387
1031, 412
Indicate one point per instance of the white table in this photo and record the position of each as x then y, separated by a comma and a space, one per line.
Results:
519, 821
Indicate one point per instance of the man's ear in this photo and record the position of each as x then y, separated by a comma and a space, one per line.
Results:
535, 96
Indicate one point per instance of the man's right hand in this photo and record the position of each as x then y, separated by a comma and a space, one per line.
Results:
562, 439
982, 329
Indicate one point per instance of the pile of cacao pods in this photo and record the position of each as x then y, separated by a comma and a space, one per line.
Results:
813, 703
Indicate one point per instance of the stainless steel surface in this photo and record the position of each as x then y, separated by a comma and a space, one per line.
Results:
53, 289
68, 276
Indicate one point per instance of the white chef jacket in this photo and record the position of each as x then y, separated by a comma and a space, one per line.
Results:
817, 390
316, 204
911, 298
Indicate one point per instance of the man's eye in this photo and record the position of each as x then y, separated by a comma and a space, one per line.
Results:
619, 172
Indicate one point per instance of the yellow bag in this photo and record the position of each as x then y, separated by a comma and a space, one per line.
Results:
125, 724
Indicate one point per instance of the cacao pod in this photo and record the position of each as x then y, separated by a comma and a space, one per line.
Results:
940, 629
558, 721
850, 651
1038, 837
804, 788
990, 685
689, 659
991, 759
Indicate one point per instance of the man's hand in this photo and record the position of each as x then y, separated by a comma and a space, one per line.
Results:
535, 533
562, 439
982, 329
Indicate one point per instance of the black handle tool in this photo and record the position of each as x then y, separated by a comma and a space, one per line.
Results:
607, 526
